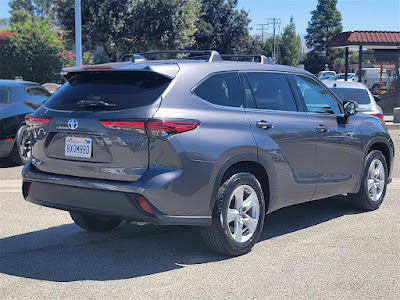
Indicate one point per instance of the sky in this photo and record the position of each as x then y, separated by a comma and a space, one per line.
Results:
356, 14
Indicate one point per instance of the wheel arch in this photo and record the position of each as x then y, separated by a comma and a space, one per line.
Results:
246, 163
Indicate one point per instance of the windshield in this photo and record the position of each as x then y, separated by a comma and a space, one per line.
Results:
359, 95
121, 90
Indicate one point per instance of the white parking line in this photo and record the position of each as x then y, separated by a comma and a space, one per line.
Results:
10, 185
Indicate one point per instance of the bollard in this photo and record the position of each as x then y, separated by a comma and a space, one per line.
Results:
396, 115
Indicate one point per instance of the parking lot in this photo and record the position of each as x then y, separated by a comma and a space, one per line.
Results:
319, 250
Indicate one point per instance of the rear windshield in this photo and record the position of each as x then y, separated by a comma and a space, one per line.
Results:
120, 90
359, 95
5, 93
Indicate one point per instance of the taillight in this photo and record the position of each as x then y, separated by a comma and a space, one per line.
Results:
152, 127
35, 122
379, 115
159, 128
126, 126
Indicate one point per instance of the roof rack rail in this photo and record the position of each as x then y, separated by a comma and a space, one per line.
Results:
263, 59
212, 55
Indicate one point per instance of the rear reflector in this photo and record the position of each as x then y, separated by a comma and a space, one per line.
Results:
33, 121
379, 115
154, 127
26, 186
9, 140
144, 205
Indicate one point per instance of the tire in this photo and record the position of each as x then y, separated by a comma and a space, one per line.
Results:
93, 223
225, 236
375, 89
22, 150
373, 184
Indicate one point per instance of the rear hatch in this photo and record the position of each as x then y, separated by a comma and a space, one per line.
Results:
78, 139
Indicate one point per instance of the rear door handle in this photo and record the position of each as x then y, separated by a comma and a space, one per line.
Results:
264, 125
322, 128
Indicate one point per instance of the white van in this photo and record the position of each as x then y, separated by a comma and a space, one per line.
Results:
371, 78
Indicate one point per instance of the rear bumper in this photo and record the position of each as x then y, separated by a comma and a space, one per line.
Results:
112, 199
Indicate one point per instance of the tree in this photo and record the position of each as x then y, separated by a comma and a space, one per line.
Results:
224, 28
290, 45
24, 10
325, 23
31, 50
122, 26
314, 62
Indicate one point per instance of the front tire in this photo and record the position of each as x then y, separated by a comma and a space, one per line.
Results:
238, 216
373, 184
93, 223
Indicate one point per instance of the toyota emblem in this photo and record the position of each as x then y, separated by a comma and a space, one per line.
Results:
72, 124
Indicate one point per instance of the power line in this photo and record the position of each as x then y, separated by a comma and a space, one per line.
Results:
262, 30
275, 22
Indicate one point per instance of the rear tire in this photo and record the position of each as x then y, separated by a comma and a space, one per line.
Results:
373, 183
238, 216
22, 151
93, 223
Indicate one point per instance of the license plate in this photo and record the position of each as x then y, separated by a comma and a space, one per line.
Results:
78, 147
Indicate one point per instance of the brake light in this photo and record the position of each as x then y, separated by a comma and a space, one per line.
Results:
152, 127
35, 122
97, 69
379, 115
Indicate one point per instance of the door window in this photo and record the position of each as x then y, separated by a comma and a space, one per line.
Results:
221, 89
316, 98
272, 91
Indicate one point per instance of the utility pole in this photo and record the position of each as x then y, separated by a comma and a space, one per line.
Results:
275, 22
261, 27
78, 33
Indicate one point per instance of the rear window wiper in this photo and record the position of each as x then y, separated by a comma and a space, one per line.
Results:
94, 103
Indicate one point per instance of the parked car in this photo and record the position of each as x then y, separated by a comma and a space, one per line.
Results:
371, 77
326, 73
212, 143
17, 99
358, 92
326, 77
341, 76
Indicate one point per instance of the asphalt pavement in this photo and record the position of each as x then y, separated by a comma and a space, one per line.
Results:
319, 250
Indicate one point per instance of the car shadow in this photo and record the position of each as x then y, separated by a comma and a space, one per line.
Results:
66, 253
5, 163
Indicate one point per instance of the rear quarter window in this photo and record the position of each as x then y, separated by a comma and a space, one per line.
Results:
5, 94
124, 90
221, 89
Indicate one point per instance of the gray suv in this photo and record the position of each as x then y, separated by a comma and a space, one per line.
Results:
200, 141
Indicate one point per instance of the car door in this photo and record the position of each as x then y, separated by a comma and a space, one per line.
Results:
283, 133
338, 149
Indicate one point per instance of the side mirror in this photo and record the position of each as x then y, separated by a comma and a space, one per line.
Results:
350, 108
377, 98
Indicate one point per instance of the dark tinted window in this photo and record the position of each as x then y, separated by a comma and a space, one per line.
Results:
316, 98
124, 89
5, 93
272, 91
221, 89
359, 95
